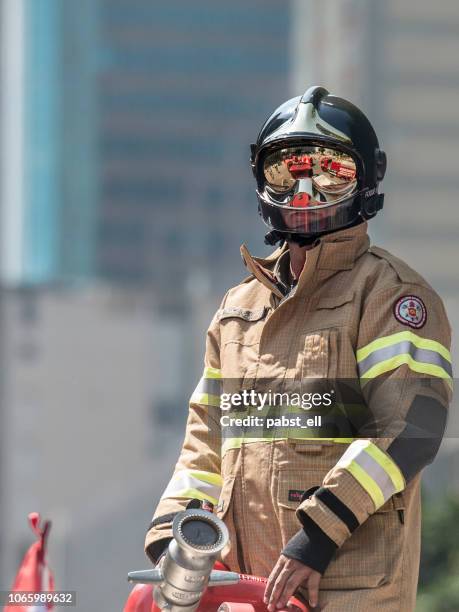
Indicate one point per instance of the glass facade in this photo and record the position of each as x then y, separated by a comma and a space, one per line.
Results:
183, 90
54, 230
137, 122
41, 146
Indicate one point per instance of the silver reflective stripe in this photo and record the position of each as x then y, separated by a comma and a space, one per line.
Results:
403, 348
212, 386
379, 475
183, 481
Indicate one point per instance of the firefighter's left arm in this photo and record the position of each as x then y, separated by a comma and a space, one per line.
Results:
197, 477
405, 373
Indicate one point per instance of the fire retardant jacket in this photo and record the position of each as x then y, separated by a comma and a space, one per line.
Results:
347, 505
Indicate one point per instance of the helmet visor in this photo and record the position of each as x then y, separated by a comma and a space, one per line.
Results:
309, 176
309, 221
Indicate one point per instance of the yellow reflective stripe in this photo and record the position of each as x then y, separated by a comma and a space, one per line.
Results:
274, 411
194, 483
230, 443
208, 389
422, 343
205, 399
389, 466
376, 472
195, 494
367, 483
210, 477
415, 366
212, 373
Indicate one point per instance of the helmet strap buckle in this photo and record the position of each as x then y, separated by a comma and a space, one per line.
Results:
273, 238
373, 205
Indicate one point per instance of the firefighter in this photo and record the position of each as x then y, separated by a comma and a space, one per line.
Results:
331, 512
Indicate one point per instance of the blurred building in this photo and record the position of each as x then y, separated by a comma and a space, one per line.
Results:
49, 208
137, 120
83, 383
332, 47
182, 92
11, 135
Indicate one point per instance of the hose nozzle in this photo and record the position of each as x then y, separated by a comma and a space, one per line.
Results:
198, 540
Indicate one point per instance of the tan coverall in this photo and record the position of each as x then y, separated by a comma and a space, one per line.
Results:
357, 313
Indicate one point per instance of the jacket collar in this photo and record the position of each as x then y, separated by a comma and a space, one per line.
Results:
333, 252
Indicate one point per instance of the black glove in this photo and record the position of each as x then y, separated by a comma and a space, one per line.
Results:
311, 546
157, 549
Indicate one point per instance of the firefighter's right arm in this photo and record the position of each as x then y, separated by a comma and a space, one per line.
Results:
406, 381
197, 472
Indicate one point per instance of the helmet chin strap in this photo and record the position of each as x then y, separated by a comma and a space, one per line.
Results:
302, 240
274, 237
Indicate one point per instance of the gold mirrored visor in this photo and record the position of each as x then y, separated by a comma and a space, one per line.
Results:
304, 177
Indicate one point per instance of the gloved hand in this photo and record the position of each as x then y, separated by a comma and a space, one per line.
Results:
157, 550
304, 559
284, 580
311, 547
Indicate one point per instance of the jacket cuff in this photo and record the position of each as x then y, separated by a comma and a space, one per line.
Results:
158, 536
156, 549
331, 514
311, 546
159, 532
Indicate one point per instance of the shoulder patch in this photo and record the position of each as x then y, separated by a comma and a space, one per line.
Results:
410, 310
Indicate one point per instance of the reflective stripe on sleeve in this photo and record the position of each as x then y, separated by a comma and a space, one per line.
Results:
208, 389
404, 348
232, 442
194, 484
374, 470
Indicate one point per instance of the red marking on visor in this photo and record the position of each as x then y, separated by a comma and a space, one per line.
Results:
300, 166
301, 200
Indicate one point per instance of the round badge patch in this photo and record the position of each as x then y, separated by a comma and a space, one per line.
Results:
410, 310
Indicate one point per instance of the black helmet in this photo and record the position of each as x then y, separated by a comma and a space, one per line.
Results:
318, 165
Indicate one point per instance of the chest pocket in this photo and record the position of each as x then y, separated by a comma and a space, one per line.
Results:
318, 355
318, 352
240, 331
332, 311
241, 325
